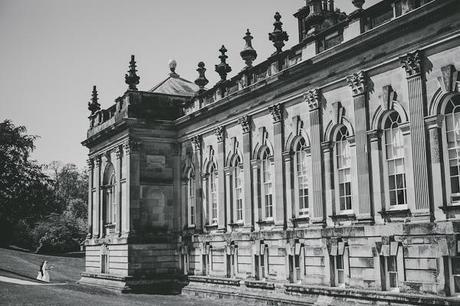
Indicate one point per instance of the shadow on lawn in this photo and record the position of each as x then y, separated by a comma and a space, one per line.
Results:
17, 274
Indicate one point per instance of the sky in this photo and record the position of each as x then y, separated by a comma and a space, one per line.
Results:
53, 51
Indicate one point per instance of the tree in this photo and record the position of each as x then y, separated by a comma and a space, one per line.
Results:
25, 191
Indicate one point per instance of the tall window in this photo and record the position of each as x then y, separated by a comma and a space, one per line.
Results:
109, 203
213, 193
267, 171
301, 159
343, 169
394, 148
452, 118
191, 189
238, 184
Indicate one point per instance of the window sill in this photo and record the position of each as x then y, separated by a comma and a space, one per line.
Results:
211, 226
266, 222
344, 216
301, 219
453, 207
395, 213
191, 227
237, 224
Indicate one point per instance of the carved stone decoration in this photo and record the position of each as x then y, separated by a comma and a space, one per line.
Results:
201, 81
223, 68
245, 122
358, 4
248, 54
358, 83
313, 98
118, 152
93, 105
131, 146
449, 79
196, 141
388, 97
98, 160
277, 112
132, 79
412, 63
278, 36
219, 131
90, 163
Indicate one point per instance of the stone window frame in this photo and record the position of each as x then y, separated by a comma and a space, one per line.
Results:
388, 253
301, 213
260, 251
190, 192
353, 186
109, 204
236, 167
232, 255
211, 177
405, 129
297, 252
340, 253
453, 199
266, 158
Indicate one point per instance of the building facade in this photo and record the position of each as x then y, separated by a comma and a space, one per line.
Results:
333, 164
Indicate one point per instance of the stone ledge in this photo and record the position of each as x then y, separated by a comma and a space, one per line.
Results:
214, 280
259, 284
391, 297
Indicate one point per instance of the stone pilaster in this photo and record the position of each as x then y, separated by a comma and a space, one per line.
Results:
358, 83
412, 63
132, 187
249, 205
230, 207
197, 161
117, 164
434, 126
222, 209
255, 165
378, 191
291, 207
90, 197
97, 203
326, 148
279, 197
317, 209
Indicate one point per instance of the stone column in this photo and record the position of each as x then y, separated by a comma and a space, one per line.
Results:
222, 209
434, 126
377, 171
90, 197
326, 147
279, 197
230, 209
197, 160
126, 210
132, 187
97, 202
291, 208
412, 63
117, 166
317, 210
358, 84
249, 205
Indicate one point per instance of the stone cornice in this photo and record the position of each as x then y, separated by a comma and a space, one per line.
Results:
131, 146
412, 62
358, 83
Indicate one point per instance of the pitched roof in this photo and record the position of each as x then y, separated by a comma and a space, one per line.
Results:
175, 85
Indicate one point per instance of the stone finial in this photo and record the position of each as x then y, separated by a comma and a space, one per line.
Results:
219, 131
313, 98
358, 4
172, 67
132, 79
357, 82
249, 54
223, 68
93, 105
245, 122
278, 36
412, 63
277, 112
201, 81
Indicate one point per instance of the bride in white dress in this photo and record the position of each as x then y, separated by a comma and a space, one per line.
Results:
43, 274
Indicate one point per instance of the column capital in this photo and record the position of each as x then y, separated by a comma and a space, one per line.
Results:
131, 146
196, 141
358, 82
118, 152
433, 122
98, 160
220, 133
412, 63
245, 122
277, 112
375, 135
313, 98
90, 163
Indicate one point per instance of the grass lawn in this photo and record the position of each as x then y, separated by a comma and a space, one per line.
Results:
22, 265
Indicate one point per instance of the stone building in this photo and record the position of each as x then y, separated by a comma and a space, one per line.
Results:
333, 164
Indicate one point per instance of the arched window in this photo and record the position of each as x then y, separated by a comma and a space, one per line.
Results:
212, 189
238, 189
267, 185
191, 189
301, 178
396, 171
109, 208
452, 119
343, 169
